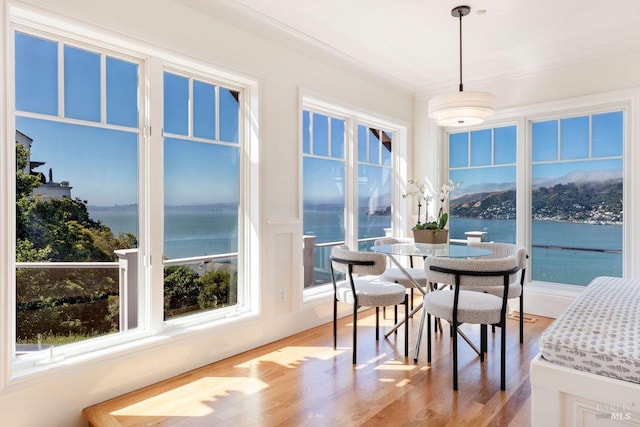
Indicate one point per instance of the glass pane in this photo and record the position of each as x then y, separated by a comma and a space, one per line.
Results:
458, 150
574, 137
204, 110
374, 146
122, 93
320, 134
504, 145
200, 220
481, 147
229, 115
607, 134
363, 144
484, 200
386, 147
577, 220
306, 132
374, 201
81, 84
36, 74
323, 215
76, 202
337, 138
176, 104
544, 141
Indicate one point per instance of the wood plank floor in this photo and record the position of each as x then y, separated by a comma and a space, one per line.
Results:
302, 381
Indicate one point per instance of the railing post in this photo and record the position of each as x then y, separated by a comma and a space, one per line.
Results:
308, 258
128, 265
475, 236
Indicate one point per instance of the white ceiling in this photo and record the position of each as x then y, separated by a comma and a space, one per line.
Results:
415, 42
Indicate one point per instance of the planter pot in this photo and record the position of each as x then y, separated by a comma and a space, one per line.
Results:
431, 236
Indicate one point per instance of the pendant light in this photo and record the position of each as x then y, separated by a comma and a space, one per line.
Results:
461, 108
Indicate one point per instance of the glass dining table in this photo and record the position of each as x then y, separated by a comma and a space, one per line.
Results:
424, 250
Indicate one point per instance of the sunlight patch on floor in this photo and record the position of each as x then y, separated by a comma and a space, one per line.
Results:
292, 356
192, 399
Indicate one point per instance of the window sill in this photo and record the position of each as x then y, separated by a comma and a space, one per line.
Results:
39, 367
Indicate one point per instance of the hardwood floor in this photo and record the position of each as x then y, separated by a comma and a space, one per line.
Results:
302, 381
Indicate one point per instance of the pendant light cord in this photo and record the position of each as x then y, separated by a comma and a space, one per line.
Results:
460, 17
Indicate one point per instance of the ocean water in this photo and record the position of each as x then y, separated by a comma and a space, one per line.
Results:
189, 231
562, 252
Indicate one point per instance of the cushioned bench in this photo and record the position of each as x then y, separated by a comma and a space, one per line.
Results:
600, 332
588, 369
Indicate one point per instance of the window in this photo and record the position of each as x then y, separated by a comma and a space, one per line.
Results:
482, 164
89, 172
375, 177
343, 203
577, 197
77, 175
324, 195
201, 195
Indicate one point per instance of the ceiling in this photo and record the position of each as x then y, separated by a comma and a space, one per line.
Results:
415, 42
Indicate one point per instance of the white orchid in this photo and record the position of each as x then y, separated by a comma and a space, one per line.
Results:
418, 191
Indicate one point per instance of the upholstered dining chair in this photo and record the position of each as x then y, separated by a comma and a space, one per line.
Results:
516, 288
394, 274
458, 306
363, 288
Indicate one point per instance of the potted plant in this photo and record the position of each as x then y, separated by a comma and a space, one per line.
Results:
433, 232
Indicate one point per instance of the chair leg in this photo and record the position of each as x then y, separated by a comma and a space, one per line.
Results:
335, 322
483, 341
411, 299
419, 338
428, 339
355, 330
503, 355
454, 330
406, 325
521, 317
395, 316
377, 324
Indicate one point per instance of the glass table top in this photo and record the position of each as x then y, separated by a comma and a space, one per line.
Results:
426, 249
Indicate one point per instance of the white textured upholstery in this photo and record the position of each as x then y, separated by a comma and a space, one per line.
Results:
472, 264
473, 307
344, 253
362, 288
371, 292
394, 274
503, 250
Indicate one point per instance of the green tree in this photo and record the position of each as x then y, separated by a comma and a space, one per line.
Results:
62, 302
181, 287
214, 289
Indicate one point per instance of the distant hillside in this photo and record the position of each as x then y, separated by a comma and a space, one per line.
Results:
599, 202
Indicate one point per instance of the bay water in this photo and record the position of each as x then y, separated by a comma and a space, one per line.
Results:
562, 252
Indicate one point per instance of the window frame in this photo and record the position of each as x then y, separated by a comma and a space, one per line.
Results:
627, 101
151, 60
354, 118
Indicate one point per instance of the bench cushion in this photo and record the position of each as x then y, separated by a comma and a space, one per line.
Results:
600, 331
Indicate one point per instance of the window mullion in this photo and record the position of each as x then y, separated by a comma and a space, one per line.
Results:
61, 111
154, 214
103, 88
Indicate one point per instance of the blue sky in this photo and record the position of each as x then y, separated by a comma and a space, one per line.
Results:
591, 145
102, 164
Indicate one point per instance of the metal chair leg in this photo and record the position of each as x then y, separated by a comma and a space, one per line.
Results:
355, 331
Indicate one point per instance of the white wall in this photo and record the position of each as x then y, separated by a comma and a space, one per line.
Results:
56, 399
595, 81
